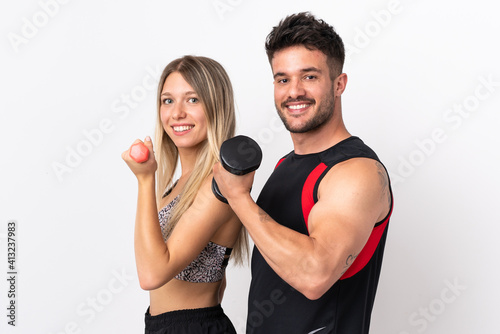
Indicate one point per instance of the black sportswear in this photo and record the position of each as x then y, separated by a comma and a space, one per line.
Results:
288, 196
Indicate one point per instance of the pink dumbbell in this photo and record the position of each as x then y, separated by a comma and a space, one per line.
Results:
139, 152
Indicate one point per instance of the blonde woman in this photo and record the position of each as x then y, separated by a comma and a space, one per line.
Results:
183, 233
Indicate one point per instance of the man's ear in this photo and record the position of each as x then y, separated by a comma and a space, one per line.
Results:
339, 84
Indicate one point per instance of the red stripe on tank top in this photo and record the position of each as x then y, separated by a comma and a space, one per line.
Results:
367, 252
308, 190
279, 162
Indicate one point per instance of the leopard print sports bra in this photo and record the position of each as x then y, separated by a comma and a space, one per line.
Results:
210, 264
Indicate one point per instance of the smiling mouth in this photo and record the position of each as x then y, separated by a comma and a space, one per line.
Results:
298, 106
182, 128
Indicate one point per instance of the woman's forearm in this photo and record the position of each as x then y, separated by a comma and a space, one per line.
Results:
150, 248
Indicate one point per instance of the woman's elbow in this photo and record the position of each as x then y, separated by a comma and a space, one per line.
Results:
146, 286
149, 282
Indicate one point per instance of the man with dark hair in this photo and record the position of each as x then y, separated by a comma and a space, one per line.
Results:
320, 223
304, 29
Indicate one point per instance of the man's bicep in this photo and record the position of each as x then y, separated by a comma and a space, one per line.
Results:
339, 237
345, 214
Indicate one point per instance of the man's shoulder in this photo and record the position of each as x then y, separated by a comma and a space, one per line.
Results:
352, 147
356, 169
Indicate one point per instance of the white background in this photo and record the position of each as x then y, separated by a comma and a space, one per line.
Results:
418, 94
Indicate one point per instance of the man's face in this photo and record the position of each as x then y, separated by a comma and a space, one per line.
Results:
303, 89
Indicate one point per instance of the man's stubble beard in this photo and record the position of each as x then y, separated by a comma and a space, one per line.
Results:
323, 114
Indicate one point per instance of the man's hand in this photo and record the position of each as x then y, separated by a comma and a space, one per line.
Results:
232, 186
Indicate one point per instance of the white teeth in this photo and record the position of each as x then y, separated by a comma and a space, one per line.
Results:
182, 128
298, 106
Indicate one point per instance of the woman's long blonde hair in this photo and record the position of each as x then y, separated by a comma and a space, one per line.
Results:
213, 87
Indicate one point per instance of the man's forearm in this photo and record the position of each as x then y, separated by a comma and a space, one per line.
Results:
289, 253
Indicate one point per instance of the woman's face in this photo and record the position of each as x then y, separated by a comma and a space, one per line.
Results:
181, 113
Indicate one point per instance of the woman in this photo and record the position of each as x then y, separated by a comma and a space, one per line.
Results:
182, 250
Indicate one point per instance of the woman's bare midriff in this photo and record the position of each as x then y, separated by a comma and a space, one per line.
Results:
182, 295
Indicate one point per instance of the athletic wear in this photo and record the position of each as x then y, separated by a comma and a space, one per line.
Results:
288, 197
210, 264
164, 217
209, 320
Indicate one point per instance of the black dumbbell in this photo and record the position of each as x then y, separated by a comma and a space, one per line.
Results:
239, 155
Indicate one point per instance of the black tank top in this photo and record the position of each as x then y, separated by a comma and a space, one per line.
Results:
288, 196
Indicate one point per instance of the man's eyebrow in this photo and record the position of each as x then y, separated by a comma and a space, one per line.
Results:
304, 70
279, 74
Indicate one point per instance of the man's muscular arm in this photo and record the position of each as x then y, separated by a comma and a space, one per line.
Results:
352, 197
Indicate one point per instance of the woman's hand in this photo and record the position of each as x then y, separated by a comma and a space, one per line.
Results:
144, 169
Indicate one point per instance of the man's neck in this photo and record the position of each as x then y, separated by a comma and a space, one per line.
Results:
320, 139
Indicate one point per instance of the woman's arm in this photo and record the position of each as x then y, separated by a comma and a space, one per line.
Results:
158, 262
195, 229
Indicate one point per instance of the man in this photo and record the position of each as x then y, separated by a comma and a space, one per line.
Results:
320, 223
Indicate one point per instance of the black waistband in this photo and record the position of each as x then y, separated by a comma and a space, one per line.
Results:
182, 316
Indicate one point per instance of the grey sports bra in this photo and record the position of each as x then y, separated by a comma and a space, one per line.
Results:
210, 264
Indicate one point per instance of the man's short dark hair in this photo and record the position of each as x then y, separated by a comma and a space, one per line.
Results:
314, 34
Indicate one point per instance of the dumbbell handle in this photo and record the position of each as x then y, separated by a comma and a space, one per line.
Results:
217, 193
